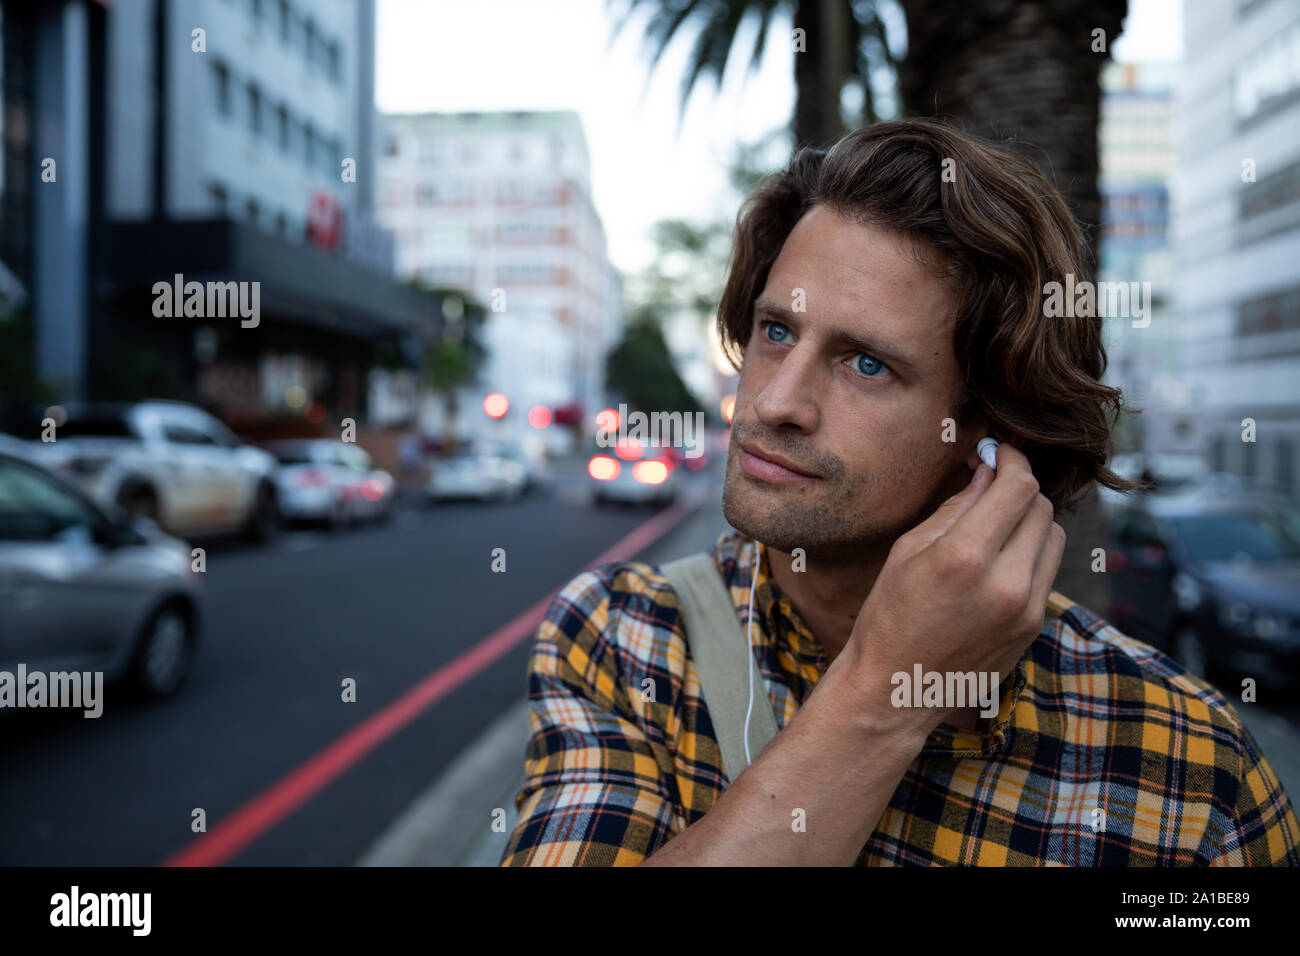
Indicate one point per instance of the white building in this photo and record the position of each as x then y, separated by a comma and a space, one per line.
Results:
1137, 156
257, 121
499, 205
240, 144
1237, 235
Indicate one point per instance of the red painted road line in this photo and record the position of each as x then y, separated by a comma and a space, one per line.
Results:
282, 798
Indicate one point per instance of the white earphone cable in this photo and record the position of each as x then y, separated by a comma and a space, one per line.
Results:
749, 651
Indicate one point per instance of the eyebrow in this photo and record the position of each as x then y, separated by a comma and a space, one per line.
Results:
876, 348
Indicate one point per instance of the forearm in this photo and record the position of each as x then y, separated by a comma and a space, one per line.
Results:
835, 761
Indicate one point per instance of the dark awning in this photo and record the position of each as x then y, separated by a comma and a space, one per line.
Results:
298, 282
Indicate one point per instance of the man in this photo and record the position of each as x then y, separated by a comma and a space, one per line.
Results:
885, 307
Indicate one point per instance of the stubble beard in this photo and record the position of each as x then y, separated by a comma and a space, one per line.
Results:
819, 518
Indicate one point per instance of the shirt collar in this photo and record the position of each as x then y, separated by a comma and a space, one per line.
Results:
778, 620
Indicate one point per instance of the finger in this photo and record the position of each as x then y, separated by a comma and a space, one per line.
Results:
990, 521
1019, 555
1048, 564
947, 513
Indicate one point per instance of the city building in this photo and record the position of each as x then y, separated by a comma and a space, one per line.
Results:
206, 230
499, 205
1137, 161
50, 179
1237, 237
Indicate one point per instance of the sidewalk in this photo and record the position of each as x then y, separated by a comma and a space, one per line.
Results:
451, 823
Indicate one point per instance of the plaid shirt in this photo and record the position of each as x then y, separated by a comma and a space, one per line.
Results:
1092, 720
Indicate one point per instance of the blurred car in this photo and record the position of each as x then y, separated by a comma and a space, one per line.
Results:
85, 590
1212, 579
630, 473
537, 475
1164, 473
331, 482
169, 462
698, 462
479, 475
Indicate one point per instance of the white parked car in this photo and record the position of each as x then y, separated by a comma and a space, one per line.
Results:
487, 477
169, 462
331, 482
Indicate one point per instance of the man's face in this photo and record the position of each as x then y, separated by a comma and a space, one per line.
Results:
848, 376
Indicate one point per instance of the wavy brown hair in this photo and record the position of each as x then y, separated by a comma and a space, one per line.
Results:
1003, 232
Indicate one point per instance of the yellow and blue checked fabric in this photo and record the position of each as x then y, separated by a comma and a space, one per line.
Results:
1104, 752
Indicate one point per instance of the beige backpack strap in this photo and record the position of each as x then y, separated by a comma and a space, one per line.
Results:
719, 647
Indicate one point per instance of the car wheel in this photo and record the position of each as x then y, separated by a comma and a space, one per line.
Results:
165, 653
264, 521
139, 501
1188, 649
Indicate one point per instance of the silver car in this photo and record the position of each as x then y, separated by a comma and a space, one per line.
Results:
632, 475
330, 482
484, 476
83, 591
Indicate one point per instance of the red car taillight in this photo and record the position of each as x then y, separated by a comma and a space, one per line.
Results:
653, 471
603, 468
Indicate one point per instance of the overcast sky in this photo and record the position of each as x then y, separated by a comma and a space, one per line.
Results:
561, 54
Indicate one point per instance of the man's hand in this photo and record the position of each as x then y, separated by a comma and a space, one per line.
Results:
965, 590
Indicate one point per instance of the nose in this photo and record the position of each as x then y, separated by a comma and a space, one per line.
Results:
789, 397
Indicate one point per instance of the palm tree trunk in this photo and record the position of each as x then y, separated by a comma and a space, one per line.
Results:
820, 71
1025, 72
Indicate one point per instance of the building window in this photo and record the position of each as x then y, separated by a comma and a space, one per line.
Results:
309, 41
254, 109
390, 146
1218, 454
221, 87
257, 10
220, 199
286, 22
308, 144
425, 195
282, 126
1274, 191
1285, 466
332, 54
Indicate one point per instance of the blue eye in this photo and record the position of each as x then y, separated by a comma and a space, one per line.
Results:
775, 325
872, 367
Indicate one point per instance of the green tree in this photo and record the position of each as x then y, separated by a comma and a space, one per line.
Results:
20, 385
642, 369
837, 44
457, 357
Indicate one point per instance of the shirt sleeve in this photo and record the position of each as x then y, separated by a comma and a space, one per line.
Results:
1263, 829
593, 792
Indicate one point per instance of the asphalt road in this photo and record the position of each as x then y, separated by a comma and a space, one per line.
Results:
285, 625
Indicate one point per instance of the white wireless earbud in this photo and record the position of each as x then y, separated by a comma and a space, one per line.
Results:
987, 449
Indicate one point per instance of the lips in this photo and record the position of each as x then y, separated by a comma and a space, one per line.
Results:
762, 457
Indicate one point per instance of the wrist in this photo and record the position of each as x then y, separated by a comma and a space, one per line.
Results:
859, 696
